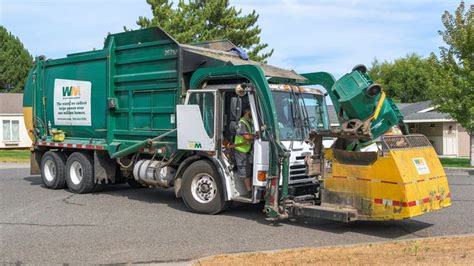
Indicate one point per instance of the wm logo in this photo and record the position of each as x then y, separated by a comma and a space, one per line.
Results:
194, 145
71, 91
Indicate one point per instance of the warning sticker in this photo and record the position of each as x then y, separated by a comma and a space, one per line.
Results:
72, 102
421, 166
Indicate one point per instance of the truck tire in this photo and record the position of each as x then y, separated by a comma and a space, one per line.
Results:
53, 170
80, 173
202, 189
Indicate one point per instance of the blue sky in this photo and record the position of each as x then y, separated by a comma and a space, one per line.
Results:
307, 35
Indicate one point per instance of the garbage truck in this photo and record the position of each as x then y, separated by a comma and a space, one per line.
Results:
151, 112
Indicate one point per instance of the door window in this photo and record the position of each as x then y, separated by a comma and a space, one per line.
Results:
205, 101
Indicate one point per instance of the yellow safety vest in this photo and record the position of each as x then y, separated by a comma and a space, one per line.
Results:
241, 144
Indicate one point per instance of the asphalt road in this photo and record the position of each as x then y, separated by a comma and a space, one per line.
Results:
120, 225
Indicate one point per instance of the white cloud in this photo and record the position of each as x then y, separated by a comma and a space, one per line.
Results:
340, 34
307, 35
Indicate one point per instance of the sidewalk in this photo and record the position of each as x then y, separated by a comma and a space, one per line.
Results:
459, 171
9, 165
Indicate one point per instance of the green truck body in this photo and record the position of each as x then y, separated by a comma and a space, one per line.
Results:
132, 87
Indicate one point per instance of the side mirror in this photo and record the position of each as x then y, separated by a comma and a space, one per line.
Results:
240, 90
235, 108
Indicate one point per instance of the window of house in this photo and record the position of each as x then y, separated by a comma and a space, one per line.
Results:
11, 130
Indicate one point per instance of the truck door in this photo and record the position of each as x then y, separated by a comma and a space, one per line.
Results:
196, 121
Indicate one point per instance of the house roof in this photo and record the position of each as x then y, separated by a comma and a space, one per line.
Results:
421, 111
11, 103
412, 112
410, 108
432, 115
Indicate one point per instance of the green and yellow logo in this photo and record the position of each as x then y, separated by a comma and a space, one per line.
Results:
194, 145
69, 91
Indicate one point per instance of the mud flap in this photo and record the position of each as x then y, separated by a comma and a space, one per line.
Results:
104, 168
35, 162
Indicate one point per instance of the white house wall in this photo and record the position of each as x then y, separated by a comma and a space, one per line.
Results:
24, 139
450, 140
463, 142
434, 133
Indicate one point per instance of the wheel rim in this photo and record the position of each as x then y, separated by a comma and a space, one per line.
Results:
203, 188
76, 173
49, 170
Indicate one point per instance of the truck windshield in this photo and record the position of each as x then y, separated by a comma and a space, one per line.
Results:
288, 118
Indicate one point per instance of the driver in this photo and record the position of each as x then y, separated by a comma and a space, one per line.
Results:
243, 148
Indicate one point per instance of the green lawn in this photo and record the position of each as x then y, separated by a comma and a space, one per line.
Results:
24, 156
15, 155
455, 162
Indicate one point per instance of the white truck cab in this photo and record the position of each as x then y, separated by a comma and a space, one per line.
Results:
206, 124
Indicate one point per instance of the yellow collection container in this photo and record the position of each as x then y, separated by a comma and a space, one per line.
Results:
403, 180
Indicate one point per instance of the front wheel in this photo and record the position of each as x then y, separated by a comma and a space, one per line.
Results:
202, 188
80, 173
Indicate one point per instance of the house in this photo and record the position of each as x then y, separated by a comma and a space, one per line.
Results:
448, 137
13, 133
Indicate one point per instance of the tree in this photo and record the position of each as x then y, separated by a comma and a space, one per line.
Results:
15, 62
456, 95
206, 20
408, 79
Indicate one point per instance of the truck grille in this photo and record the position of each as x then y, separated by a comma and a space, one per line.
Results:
298, 173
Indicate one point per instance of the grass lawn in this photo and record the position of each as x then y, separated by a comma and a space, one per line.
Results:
24, 156
455, 162
15, 155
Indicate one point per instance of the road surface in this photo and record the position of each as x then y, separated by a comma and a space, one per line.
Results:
124, 225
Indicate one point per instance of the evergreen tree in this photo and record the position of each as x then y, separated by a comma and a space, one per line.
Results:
15, 62
206, 20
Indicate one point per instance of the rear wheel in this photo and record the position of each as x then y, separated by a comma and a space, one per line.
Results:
53, 170
80, 173
202, 188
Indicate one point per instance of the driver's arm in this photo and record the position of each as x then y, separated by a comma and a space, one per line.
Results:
248, 136
243, 131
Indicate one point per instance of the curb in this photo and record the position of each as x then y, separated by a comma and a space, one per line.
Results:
456, 170
9, 165
459, 168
